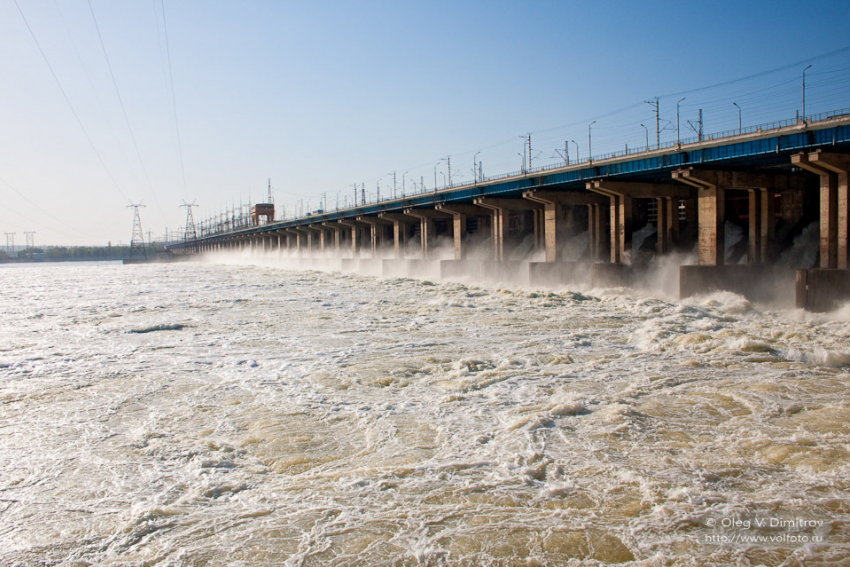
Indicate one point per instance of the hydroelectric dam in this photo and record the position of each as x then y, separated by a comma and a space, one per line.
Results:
727, 210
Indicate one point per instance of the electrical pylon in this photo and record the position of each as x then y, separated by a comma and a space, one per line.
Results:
10, 244
30, 238
191, 233
137, 242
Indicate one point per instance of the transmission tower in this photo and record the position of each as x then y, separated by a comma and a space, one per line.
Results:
30, 235
137, 242
191, 233
10, 244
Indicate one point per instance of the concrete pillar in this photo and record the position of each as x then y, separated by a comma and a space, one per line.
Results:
376, 226
834, 202
460, 214
296, 242
711, 206
401, 228
356, 235
428, 231
501, 215
596, 228
622, 194
712, 187
557, 207
337, 234
668, 223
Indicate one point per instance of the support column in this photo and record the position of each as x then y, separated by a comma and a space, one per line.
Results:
712, 186
501, 215
755, 244
834, 200
595, 221
427, 232
711, 206
337, 230
375, 226
668, 223
460, 214
554, 206
401, 224
356, 235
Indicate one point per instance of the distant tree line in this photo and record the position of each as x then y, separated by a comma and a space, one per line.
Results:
77, 252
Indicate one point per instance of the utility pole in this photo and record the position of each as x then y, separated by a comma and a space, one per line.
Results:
271, 199
394, 185
137, 241
698, 128
679, 138
363, 194
566, 154
355, 195
529, 151
654, 104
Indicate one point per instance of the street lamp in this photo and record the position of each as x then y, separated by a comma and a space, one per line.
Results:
435, 176
475, 167
523, 161
578, 158
678, 137
647, 137
402, 183
589, 146
804, 91
739, 118
444, 178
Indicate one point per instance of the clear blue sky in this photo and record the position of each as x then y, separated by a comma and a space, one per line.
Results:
320, 95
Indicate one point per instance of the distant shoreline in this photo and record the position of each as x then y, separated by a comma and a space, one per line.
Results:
54, 260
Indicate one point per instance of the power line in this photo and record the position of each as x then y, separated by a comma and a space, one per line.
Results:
67, 100
124, 111
173, 99
24, 197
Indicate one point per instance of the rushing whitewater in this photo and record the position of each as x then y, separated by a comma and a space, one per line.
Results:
210, 414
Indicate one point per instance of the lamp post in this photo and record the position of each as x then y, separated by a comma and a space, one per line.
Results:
589, 145
804, 91
402, 182
678, 137
475, 167
647, 137
435, 176
522, 169
578, 158
740, 131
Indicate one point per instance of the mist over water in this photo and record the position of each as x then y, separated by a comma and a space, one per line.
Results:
240, 411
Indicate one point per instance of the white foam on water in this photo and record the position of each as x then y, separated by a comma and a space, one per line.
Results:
270, 416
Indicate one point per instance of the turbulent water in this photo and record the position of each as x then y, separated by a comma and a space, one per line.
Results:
223, 414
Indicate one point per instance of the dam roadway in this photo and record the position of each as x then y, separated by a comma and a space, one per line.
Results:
606, 220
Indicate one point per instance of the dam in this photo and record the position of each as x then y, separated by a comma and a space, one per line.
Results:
605, 220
